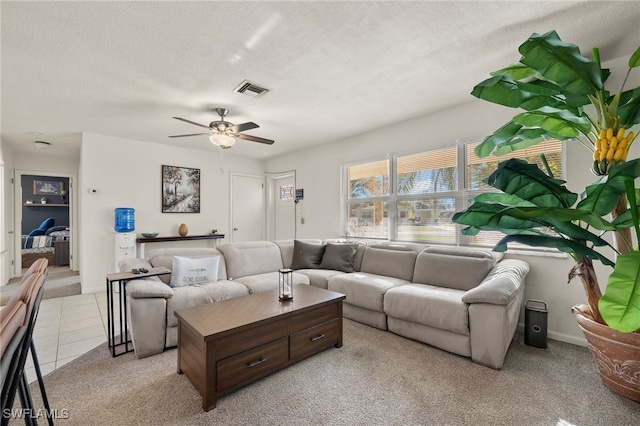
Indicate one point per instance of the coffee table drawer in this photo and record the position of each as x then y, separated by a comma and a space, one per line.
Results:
314, 339
251, 365
251, 338
317, 316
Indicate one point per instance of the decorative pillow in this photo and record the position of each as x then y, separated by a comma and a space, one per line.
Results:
187, 270
339, 257
307, 255
36, 232
47, 223
56, 229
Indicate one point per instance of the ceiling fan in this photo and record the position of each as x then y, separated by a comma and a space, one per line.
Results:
224, 133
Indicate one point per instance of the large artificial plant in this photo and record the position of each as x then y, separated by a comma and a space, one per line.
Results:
563, 96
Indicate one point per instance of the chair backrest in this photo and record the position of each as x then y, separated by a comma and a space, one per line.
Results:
12, 317
27, 291
9, 367
39, 265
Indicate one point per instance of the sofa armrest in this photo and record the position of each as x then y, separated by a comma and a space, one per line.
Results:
133, 262
145, 288
500, 285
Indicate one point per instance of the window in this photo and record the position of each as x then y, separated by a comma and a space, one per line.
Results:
286, 192
368, 188
412, 197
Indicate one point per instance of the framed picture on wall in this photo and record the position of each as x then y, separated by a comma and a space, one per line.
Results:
180, 189
47, 187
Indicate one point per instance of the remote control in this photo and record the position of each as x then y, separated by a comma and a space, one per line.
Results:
135, 271
143, 270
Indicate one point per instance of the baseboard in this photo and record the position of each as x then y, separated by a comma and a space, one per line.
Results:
93, 289
561, 337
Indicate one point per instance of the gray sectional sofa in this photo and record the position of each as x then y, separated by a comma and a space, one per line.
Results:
465, 301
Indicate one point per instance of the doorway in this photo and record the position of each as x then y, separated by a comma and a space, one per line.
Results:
45, 195
247, 216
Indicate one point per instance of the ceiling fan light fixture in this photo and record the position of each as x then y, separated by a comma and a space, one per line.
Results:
222, 140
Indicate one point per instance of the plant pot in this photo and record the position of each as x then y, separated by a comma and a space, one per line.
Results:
617, 356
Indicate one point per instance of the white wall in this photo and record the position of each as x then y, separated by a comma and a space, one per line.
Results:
127, 173
318, 172
6, 215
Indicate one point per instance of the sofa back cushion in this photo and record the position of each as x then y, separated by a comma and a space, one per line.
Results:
164, 257
391, 261
453, 267
251, 258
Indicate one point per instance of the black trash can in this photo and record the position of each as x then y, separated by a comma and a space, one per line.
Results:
535, 323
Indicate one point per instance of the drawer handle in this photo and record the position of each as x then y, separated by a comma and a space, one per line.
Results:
321, 336
258, 362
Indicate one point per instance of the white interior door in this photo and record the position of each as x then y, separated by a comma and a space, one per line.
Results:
285, 208
247, 208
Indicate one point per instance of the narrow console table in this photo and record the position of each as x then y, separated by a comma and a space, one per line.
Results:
142, 241
121, 279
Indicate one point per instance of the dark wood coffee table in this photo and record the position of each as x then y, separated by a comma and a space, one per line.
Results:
225, 345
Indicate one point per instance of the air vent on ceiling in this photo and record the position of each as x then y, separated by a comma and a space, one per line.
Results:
250, 89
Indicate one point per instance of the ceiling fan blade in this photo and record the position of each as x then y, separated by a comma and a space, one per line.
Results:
190, 134
253, 138
191, 122
242, 127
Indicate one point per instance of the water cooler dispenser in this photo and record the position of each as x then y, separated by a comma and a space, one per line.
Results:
125, 239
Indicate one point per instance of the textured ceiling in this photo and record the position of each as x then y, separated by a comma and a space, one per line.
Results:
334, 68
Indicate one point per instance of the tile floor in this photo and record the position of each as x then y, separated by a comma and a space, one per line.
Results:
66, 328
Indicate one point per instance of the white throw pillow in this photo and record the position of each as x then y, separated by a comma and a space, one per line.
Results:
194, 270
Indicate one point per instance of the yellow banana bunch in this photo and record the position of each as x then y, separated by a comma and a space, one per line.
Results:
611, 149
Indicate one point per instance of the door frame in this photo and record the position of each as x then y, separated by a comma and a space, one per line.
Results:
264, 219
272, 202
73, 217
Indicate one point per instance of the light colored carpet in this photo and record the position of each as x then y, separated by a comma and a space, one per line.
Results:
58, 284
376, 378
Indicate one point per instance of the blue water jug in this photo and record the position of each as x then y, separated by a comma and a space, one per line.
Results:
125, 219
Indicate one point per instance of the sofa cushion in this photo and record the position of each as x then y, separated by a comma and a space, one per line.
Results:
339, 256
164, 257
319, 277
306, 255
363, 289
251, 258
199, 294
453, 267
188, 270
390, 262
268, 281
434, 306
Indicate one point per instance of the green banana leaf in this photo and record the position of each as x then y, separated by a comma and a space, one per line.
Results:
527, 181
567, 246
601, 197
558, 121
511, 137
630, 111
513, 220
502, 90
517, 71
620, 304
561, 63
